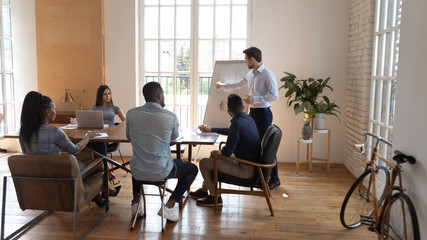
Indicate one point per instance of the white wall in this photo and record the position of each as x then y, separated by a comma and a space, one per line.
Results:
121, 55
310, 39
24, 56
411, 115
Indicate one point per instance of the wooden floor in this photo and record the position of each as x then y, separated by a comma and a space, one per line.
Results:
311, 211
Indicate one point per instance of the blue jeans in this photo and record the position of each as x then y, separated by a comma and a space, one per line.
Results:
185, 171
263, 118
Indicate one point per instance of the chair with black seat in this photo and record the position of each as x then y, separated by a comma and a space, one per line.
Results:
162, 190
269, 145
53, 182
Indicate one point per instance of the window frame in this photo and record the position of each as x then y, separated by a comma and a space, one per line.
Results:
7, 98
196, 104
385, 58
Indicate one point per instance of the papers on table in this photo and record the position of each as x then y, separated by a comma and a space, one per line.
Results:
70, 126
101, 135
207, 133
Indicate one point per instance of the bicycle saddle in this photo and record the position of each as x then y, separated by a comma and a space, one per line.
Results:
402, 158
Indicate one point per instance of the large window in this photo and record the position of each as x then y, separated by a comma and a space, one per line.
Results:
7, 99
181, 40
384, 69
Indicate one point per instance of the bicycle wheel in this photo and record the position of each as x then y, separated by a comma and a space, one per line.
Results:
399, 219
358, 201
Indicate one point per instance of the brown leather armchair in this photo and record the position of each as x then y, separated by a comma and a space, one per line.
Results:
53, 182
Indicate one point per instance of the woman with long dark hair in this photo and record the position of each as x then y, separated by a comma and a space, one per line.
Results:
36, 136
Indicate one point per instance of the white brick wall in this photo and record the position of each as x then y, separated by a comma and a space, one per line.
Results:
362, 16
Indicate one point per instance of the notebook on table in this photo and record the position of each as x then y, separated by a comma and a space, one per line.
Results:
90, 119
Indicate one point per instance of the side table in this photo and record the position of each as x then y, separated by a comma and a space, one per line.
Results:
309, 152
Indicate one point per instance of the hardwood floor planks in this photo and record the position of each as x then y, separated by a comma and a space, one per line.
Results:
310, 212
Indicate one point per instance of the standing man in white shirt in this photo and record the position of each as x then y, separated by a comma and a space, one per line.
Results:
263, 90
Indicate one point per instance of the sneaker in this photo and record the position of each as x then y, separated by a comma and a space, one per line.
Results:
134, 207
208, 201
198, 194
170, 214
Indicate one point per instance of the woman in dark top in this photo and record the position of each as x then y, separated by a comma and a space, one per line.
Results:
36, 136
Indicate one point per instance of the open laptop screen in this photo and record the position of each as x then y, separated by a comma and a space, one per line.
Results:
89, 119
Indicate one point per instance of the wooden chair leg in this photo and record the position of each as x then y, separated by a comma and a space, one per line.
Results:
266, 191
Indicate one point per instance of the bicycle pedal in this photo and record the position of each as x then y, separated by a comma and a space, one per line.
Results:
366, 220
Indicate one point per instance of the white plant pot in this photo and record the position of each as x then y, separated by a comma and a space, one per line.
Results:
320, 122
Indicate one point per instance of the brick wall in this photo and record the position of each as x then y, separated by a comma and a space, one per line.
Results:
362, 18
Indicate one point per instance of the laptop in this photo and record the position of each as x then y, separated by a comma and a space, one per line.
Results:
90, 119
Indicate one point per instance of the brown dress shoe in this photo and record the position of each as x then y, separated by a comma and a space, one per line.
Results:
208, 201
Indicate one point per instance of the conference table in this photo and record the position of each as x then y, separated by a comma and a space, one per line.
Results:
117, 133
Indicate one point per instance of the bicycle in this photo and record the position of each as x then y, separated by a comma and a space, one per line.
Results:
375, 200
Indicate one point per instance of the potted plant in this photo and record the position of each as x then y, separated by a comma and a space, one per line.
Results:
304, 95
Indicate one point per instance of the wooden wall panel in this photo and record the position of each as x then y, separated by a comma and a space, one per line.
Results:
70, 50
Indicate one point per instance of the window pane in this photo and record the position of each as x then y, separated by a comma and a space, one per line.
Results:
240, 1
183, 22
398, 10
222, 22
8, 54
167, 2
239, 25
396, 51
150, 77
222, 1
8, 84
183, 2
222, 50
2, 99
183, 56
205, 56
1, 57
166, 56
6, 1
183, 89
167, 83
387, 54
205, 22
206, 2
7, 30
392, 103
167, 22
237, 47
384, 102
151, 22
151, 2
151, 53
204, 87
183, 113
379, 56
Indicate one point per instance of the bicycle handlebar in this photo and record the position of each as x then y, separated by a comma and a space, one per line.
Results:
379, 139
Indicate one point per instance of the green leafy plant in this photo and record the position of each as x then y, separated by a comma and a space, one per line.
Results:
304, 94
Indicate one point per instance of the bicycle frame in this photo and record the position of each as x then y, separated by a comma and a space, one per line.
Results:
396, 170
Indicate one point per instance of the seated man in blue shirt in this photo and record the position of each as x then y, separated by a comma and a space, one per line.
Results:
243, 141
150, 129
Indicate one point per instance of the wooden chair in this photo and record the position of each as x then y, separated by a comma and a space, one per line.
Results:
53, 182
270, 144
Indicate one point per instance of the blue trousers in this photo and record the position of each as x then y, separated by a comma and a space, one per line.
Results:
263, 118
185, 171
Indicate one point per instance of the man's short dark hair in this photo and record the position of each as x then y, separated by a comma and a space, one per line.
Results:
253, 52
234, 104
150, 91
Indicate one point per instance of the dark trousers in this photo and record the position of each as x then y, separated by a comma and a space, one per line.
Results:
100, 147
263, 118
185, 171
